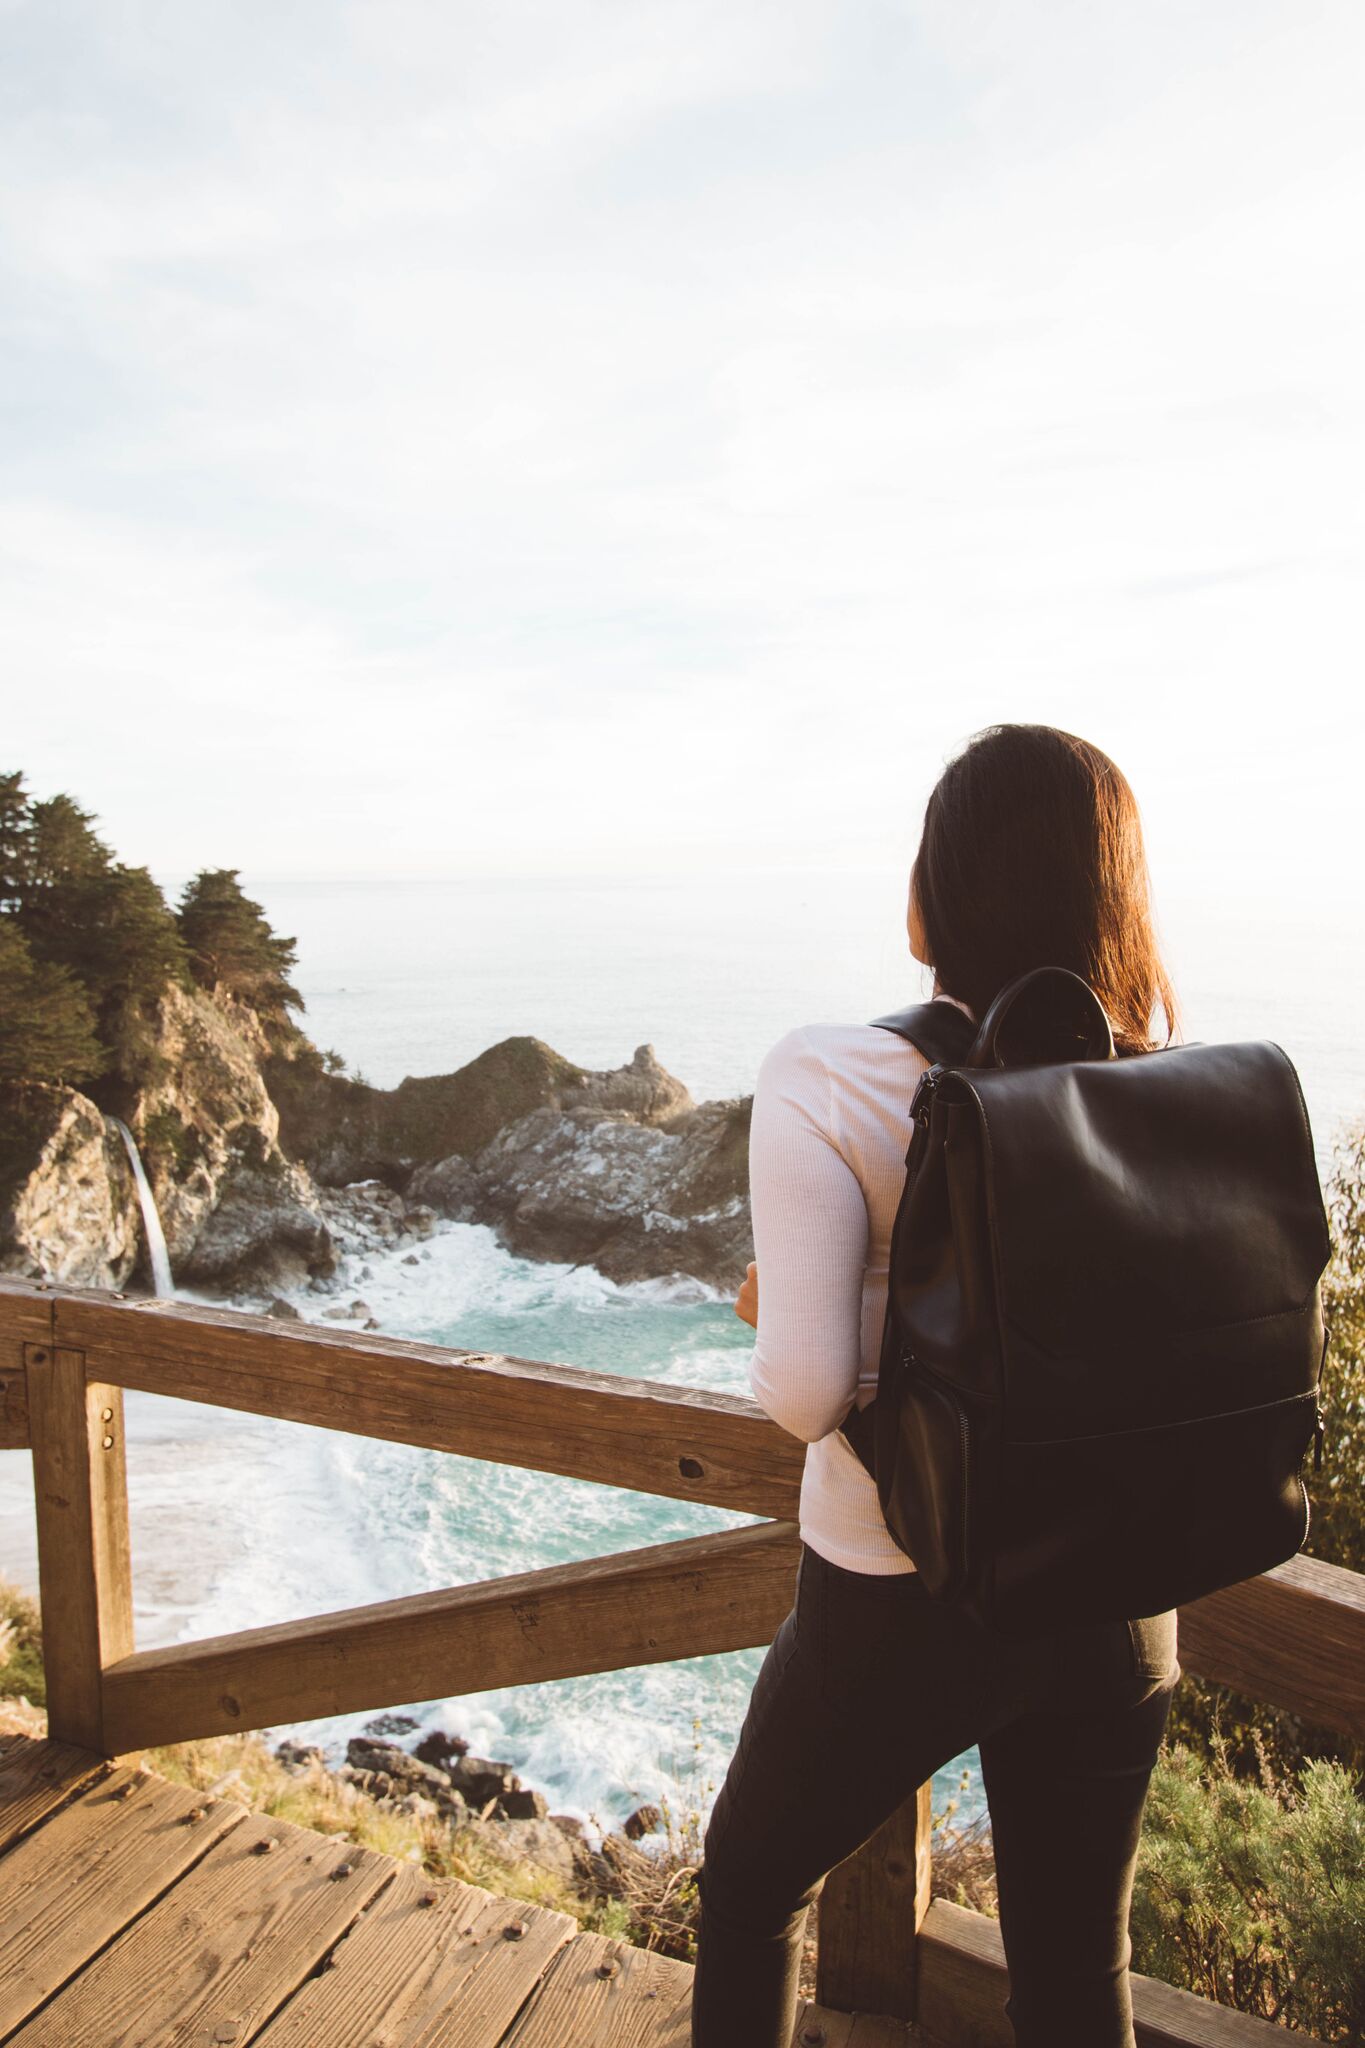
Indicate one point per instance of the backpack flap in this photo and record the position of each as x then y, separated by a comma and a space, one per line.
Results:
1105, 1315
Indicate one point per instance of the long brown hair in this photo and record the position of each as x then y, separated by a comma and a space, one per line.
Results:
1032, 856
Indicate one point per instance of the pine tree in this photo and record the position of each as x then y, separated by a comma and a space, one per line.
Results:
14, 841
231, 945
47, 1027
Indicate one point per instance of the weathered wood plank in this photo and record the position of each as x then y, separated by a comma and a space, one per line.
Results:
964, 1984
727, 1591
817, 2026
679, 1441
430, 1965
66, 1891
25, 1318
80, 1496
871, 1907
1294, 1638
37, 1778
605, 1994
217, 1957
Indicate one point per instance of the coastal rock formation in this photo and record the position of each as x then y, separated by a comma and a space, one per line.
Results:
593, 1183
344, 1130
68, 1207
235, 1209
264, 1164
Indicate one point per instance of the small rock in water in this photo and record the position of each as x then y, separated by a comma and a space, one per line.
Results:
646, 1820
371, 1324
392, 1724
524, 1805
411, 1259
441, 1749
283, 1311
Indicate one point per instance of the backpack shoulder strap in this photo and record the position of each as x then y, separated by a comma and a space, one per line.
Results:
942, 1032
945, 1035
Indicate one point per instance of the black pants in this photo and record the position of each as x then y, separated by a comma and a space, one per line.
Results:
868, 1689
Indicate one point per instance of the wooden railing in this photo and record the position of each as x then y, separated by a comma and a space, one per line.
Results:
1293, 1638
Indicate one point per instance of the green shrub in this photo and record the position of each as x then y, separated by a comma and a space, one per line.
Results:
1210, 1718
21, 1647
1253, 1893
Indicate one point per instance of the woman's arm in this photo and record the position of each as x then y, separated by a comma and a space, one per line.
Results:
810, 1242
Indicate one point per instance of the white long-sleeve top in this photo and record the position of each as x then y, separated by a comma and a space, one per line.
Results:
831, 1125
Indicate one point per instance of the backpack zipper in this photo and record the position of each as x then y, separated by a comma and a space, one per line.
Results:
922, 1101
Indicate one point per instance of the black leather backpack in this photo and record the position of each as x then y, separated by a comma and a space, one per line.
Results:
1104, 1334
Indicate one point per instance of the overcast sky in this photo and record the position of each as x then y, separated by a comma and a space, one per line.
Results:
489, 436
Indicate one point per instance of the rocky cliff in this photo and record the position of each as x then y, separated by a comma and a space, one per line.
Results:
250, 1149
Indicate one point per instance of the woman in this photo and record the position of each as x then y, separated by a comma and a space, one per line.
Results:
1031, 854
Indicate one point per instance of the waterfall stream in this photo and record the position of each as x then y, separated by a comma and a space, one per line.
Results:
162, 1282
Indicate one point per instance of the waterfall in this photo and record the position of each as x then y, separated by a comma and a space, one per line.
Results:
162, 1283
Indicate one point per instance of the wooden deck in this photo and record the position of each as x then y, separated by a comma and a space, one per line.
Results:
135, 1913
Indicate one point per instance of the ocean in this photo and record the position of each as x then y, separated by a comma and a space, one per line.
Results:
240, 1522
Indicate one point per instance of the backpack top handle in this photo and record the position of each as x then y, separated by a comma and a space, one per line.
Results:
1042, 1018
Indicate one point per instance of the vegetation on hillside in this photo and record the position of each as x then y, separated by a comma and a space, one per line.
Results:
88, 945
1209, 1719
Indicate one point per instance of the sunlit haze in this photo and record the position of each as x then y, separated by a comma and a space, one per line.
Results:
514, 439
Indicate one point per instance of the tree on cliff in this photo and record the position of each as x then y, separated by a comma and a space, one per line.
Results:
106, 926
47, 1027
231, 946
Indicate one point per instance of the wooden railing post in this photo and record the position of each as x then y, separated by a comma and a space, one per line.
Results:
870, 1912
80, 1494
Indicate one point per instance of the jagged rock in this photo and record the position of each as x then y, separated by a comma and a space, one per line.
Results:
480, 1779
646, 1820
266, 1232
402, 1773
384, 1725
525, 1805
68, 1206
283, 1311
452, 1187
636, 1201
441, 1749
344, 1130
412, 1260
208, 1118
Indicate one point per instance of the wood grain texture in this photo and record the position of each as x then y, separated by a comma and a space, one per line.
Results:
819, 2027
964, 1984
69, 1888
428, 1965
80, 1498
871, 1907
1294, 1638
605, 1994
678, 1441
727, 1591
25, 1318
219, 1954
38, 1778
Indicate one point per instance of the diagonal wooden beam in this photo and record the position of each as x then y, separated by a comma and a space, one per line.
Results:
684, 1442
1294, 1637
705, 1594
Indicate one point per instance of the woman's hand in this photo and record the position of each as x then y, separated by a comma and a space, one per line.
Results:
746, 1304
